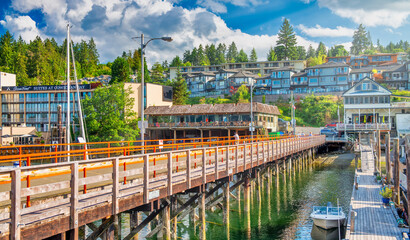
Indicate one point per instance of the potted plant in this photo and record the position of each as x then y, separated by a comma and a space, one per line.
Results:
386, 194
379, 179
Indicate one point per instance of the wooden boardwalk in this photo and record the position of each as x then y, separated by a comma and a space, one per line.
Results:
115, 185
373, 220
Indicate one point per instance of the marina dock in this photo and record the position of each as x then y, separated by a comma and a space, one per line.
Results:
372, 219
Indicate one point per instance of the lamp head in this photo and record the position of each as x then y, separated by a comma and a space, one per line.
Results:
167, 39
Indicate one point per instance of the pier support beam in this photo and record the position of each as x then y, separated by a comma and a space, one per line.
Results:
247, 206
227, 208
202, 216
166, 220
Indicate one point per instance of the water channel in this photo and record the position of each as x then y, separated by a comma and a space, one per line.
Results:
284, 207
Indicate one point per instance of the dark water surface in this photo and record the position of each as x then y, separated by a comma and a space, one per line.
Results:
284, 207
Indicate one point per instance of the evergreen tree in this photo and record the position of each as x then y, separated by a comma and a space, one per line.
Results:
120, 71
220, 54
202, 58
211, 53
19, 63
232, 53
369, 39
337, 51
321, 50
311, 52
271, 55
187, 57
253, 57
287, 39
180, 90
242, 57
157, 73
360, 41
176, 62
280, 52
6, 50
301, 53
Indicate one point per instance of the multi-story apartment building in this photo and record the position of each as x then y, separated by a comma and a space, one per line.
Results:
328, 77
263, 68
397, 76
366, 59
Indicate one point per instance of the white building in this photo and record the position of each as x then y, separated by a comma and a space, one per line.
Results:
368, 106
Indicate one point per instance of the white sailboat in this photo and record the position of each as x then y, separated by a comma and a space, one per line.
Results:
328, 217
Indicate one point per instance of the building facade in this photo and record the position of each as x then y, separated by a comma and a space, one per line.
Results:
36, 106
207, 120
366, 60
262, 68
368, 106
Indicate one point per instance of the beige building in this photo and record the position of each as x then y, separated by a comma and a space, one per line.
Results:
7, 79
156, 95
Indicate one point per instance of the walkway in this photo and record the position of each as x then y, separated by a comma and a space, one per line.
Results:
373, 220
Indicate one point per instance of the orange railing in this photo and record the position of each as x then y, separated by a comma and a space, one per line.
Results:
26, 155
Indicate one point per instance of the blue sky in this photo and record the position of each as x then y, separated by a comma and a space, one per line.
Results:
250, 23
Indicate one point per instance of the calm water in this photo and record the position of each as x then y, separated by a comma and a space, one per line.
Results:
284, 209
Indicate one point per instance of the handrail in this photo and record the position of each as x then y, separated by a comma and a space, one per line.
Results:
80, 152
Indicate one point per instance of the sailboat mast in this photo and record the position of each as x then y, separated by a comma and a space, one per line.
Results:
80, 111
68, 93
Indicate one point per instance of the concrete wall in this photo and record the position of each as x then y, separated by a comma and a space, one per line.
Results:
7, 80
154, 95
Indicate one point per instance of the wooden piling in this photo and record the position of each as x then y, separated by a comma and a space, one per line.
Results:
202, 216
396, 171
247, 206
388, 160
166, 220
227, 208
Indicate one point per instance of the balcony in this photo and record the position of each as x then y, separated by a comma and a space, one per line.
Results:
221, 124
363, 126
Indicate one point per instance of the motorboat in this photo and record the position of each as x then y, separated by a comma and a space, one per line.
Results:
328, 217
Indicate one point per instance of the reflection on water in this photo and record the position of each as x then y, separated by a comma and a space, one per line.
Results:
280, 205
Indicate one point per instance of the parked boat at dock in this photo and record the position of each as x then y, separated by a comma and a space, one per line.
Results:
328, 217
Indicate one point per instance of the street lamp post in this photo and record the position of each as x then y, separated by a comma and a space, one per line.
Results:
252, 110
143, 45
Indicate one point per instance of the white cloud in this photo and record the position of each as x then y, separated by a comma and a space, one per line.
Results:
22, 26
218, 6
112, 24
393, 13
319, 31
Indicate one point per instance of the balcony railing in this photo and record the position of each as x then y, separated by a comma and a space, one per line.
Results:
363, 126
207, 124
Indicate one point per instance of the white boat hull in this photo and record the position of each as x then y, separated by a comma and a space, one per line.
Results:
328, 222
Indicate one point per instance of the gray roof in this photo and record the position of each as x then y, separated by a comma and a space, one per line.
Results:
300, 74
228, 108
330, 65
397, 68
242, 74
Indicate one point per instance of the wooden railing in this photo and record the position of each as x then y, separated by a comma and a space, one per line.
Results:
54, 191
26, 155
363, 126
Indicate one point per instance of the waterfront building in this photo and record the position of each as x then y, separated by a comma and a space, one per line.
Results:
262, 67
368, 106
36, 106
207, 120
